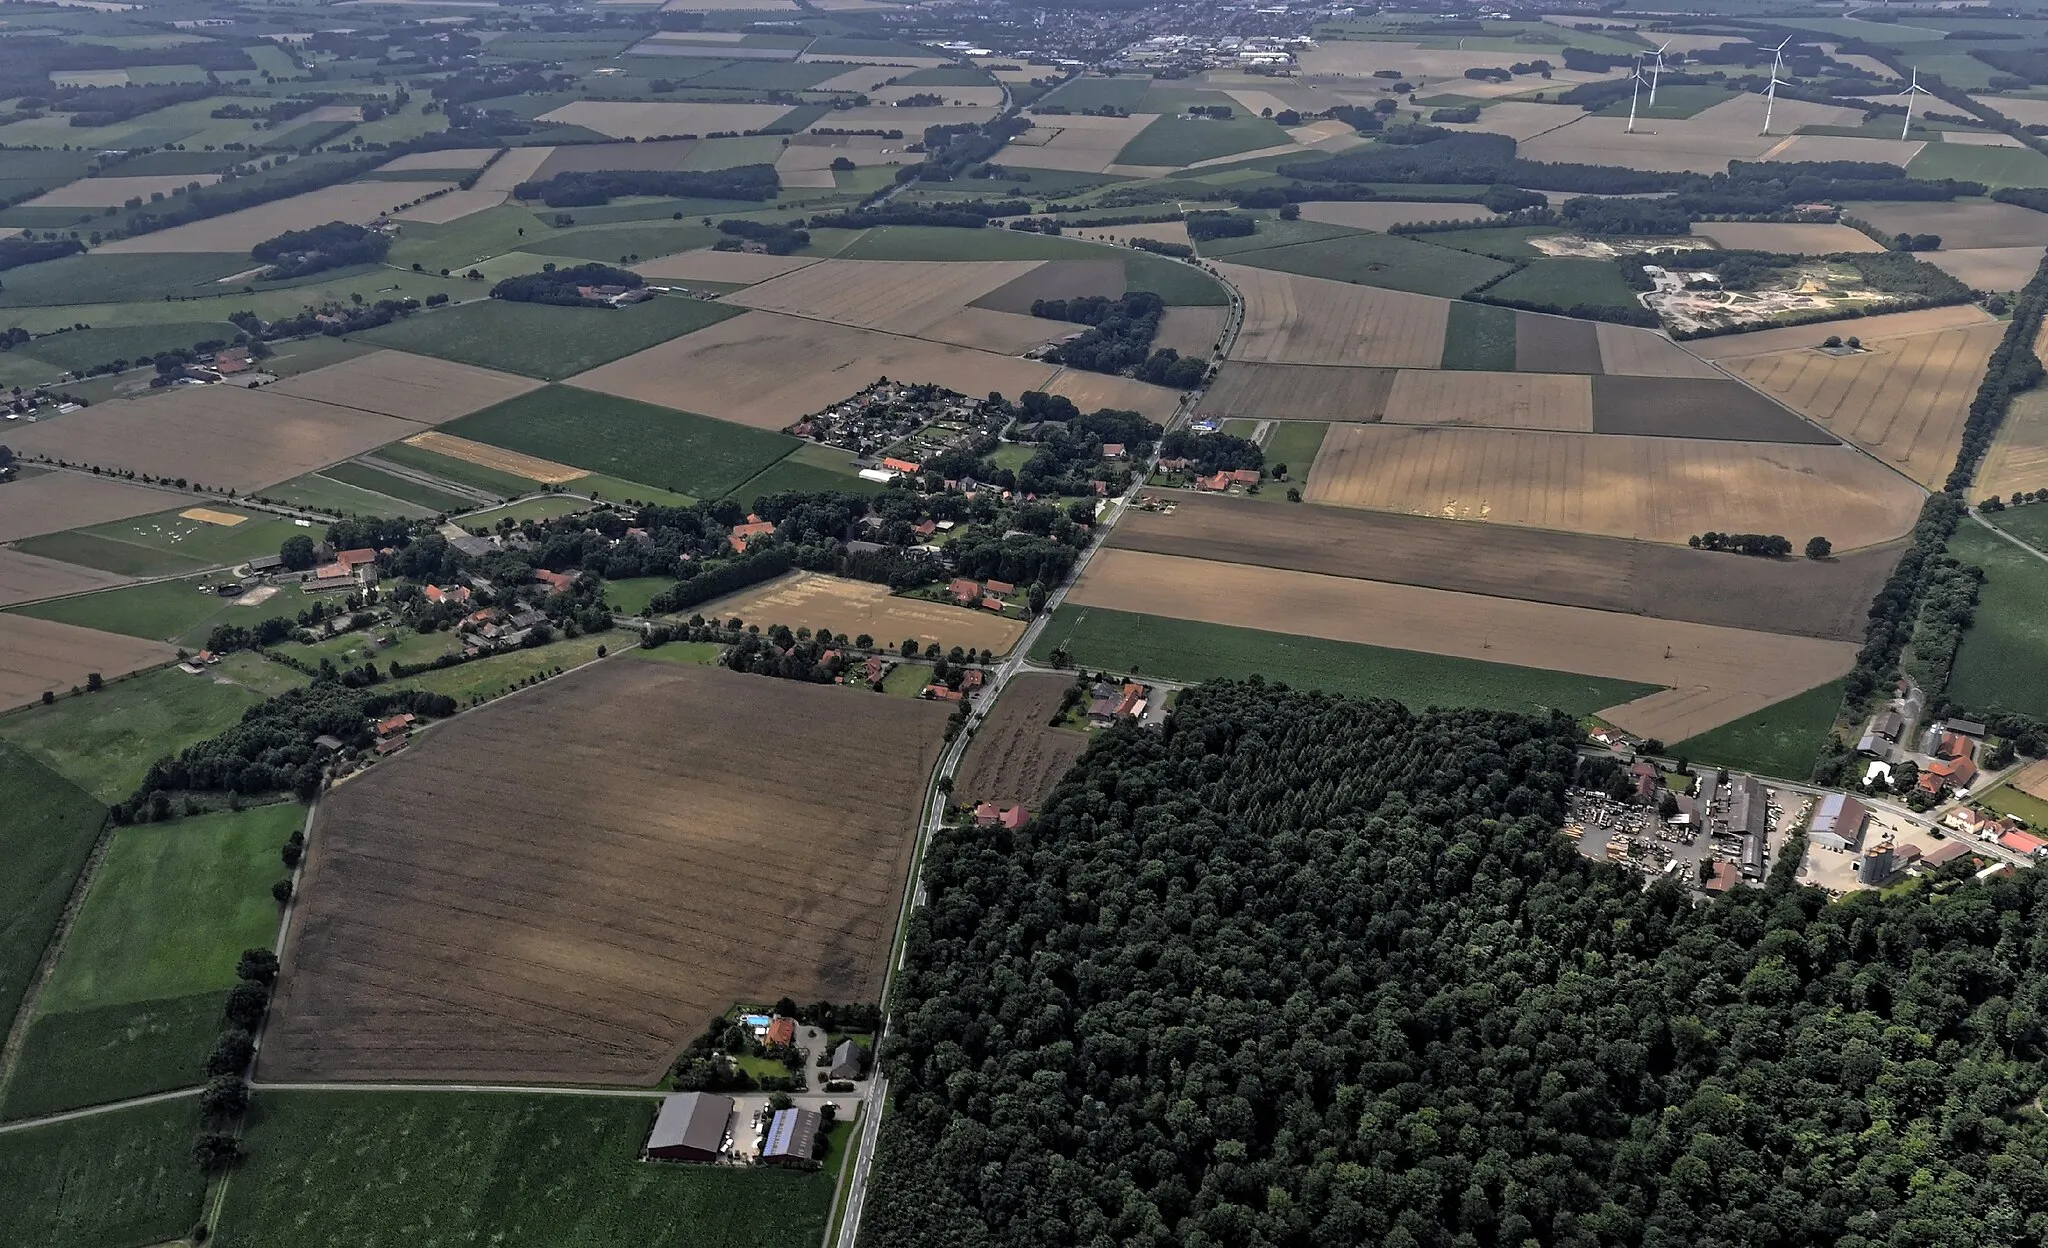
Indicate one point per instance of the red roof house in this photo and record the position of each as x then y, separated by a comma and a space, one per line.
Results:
1000, 587
924, 528
1218, 483
1953, 773
356, 558
780, 1031
436, 594
2023, 843
559, 582
964, 590
1013, 818
1246, 476
901, 465
986, 814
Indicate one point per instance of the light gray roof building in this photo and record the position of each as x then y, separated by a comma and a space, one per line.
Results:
690, 1127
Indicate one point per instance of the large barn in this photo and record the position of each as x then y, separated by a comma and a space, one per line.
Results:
690, 1127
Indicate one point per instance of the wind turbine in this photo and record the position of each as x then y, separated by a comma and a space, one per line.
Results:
1913, 88
1771, 98
1635, 77
1657, 71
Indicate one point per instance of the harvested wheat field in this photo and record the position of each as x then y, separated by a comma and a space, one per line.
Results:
1787, 237
1868, 328
613, 859
1368, 215
1902, 399
26, 578
1077, 144
1192, 331
1017, 756
1828, 598
2018, 459
741, 369
1290, 319
38, 656
445, 158
453, 206
1726, 672
517, 165
356, 202
1964, 223
737, 267
1654, 489
222, 436
484, 455
662, 154
1094, 391
813, 600
1628, 351
1520, 120
1298, 392
411, 387
914, 298
1557, 401
1990, 268
113, 192
1063, 279
2032, 780
625, 120
51, 501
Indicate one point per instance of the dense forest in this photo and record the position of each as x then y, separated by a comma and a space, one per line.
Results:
586, 188
563, 286
335, 245
1301, 970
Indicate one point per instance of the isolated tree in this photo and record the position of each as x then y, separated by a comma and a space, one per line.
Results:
911, 648
1819, 548
1831, 341
282, 891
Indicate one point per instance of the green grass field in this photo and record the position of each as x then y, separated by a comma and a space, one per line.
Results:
1993, 166
345, 1169
134, 1002
317, 490
180, 612
1172, 281
1294, 443
539, 507
377, 481
807, 469
1176, 141
456, 471
537, 340
611, 244
108, 1181
1085, 93
165, 544
1188, 651
352, 649
2003, 661
1480, 337
1782, 740
47, 830
630, 595
1385, 260
1510, 242
1273, 232
2007, 800
618, 489
100, 277
83, 348
1567, 283
487, 678
2028, 523
658, 446
104, 742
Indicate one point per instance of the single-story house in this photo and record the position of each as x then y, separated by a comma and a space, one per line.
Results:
902, 465
690, 1127
791, 1135
846, 1061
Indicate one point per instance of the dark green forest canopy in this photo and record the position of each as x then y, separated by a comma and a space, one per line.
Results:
1306, 971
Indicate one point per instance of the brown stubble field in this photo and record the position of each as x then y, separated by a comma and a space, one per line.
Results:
739, 267
223, 436
38, 656
1827, 599
916, 299
765, 370
813, 600
410, 387
1789, 238
1652, 489
1869, 328
1631, 352
1192, 331
1290, 319
567, 884
1298, 392
1556, 344
49, 501
1961, 223
358, 202
1726, 672
1559, 401
1990, 268
25, 578
484, 455
1903, 399
2018, 459
1017, 756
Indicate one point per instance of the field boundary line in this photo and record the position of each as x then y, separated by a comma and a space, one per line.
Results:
27, 1124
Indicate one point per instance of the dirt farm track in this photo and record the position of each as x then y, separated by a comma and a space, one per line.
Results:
568, 884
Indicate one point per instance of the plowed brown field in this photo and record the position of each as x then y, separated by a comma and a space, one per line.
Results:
1904, 399
917, 299
565, 885
1016, 755
1655, 489
49, 501
1298, 392
1290, 319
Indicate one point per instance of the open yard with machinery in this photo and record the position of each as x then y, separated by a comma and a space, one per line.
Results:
813, 600
437, 1166
1725, 673
1902, 399
355, 202
410, 387
1655, 489
222, 436
1017, 755
741, 371
1290, 319
911, 298
1819, 599
38, 656
616, 857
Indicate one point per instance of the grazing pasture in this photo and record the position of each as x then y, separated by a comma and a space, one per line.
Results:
1389, 261
1017, 756
1827, 599
613, 861
1557, 401
1654, 489
47, 830
168, 542
224, 436
539, 340
1290, 319
1726, 672
1298, 392
1902, 399
104, 742
813, 600
740, 370
47, 502
43, 655
356, 202
622, 119
2002, 664
410, 387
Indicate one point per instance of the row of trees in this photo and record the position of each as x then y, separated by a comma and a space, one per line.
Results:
586, 188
